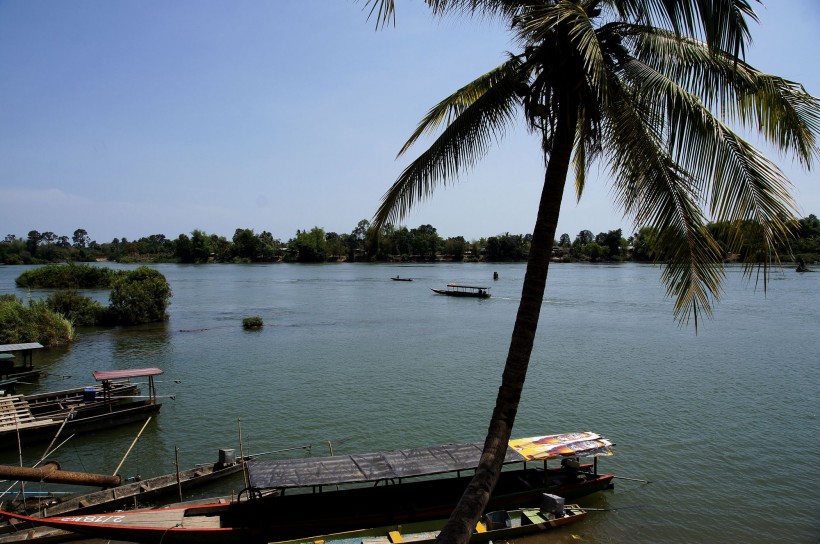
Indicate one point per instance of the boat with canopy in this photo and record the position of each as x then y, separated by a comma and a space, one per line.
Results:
20, 420
457, 290
325, 495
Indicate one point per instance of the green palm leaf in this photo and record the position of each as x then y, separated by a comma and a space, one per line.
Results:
476, 116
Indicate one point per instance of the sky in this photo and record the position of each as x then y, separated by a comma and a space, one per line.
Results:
129, 118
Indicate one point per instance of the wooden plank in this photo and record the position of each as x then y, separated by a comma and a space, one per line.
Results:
30, 424
202, 522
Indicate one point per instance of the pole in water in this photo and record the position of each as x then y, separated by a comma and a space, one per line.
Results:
633, 479
242, 453
147, 421
179, 483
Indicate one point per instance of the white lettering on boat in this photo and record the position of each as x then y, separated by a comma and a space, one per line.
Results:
95, 519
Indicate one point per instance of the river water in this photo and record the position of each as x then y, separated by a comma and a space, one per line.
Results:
724, 423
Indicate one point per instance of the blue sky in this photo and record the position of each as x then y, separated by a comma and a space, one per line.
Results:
136, 117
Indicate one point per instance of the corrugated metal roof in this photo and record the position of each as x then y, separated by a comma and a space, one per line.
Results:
19, 347
369, 467
345, 469
101, 375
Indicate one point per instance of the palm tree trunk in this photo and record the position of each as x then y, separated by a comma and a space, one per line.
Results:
467, 512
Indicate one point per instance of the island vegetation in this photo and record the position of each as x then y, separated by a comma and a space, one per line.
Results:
392, 244
137, 296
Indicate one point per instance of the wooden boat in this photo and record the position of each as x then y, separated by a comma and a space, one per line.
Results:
196, 524
80, 397
24, 372
130, 494
374, 490
456, 290
397, 278
494, 526
127, 495
18, 420
23, 531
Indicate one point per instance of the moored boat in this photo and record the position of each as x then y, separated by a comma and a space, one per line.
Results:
457, 290
140, 491
79, 397
18, 420
197, 524
24, 372
498, 525
324, 495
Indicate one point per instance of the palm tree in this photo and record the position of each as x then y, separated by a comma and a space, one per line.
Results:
634, 84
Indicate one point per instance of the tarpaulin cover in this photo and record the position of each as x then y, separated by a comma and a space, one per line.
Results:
342, 469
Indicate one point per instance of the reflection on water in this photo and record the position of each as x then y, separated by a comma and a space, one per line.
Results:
719, 421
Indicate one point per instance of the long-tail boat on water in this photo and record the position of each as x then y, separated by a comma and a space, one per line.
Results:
298, 498
458, 290
19, 420
493, 526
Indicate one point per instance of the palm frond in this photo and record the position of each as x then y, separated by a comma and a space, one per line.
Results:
782, 111
579, 164
587, 148
692, 270
454, 105
500, 9
785, 114
651, 188
722, 24
385, 11
481, 112
736, 180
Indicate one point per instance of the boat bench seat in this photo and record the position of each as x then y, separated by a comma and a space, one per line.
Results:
12, 416
533, 517
14, 410
25, 423
202, 522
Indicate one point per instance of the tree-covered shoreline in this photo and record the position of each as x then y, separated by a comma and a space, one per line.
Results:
137, 297
393, 244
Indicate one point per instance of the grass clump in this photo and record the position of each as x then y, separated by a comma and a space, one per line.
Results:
82, 311
36, 322
252, 323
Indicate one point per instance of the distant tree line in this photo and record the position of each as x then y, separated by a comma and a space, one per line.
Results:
362, 244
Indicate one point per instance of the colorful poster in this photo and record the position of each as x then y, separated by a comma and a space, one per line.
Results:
558, 446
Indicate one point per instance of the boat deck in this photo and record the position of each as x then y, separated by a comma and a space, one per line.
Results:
160, 518
15, 413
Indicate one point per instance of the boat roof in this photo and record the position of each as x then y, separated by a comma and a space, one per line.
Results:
372, 467
465, 286
101, 375
19, 347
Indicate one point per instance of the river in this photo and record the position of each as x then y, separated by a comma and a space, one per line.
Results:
723, 423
